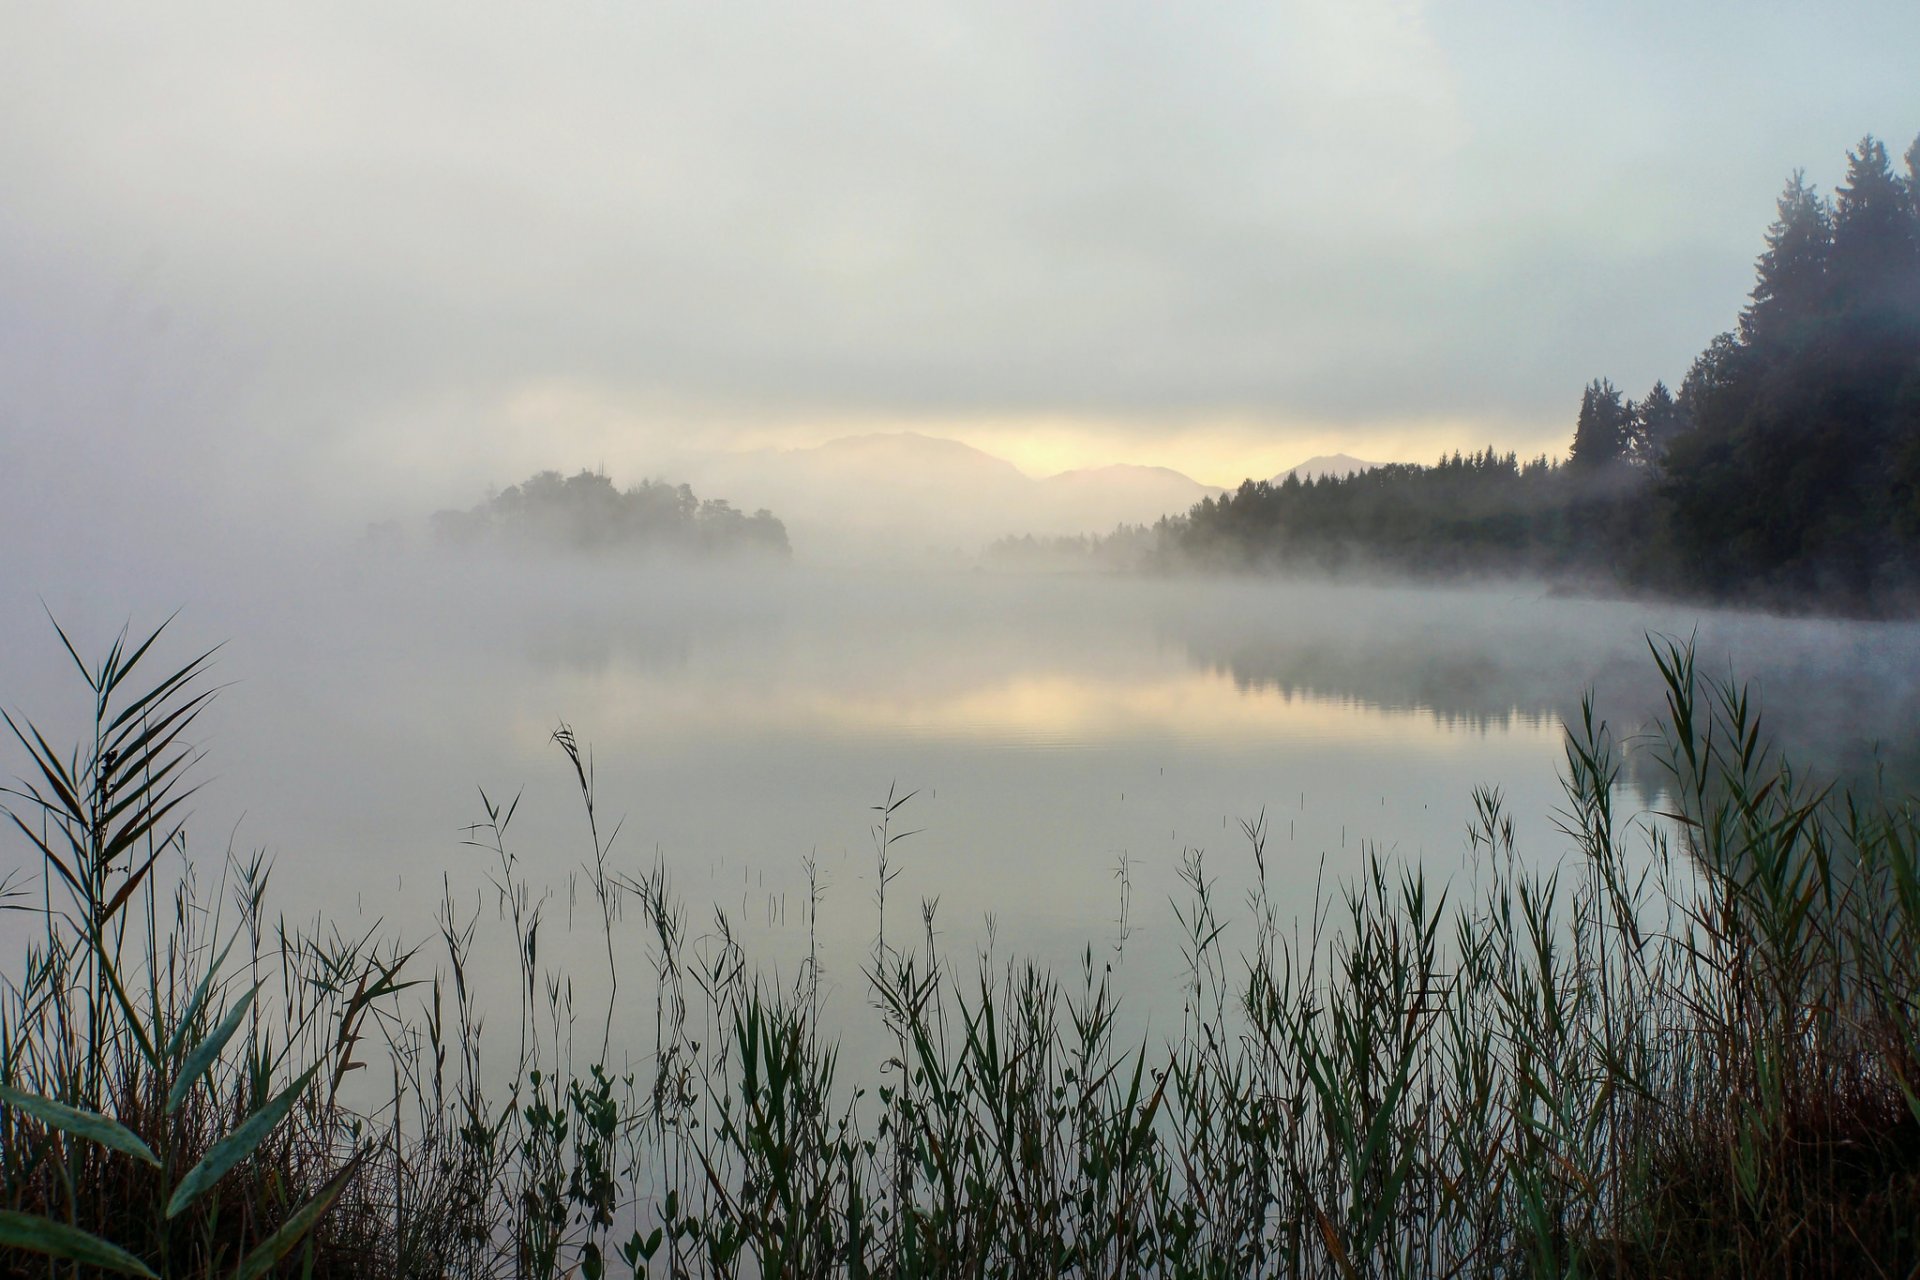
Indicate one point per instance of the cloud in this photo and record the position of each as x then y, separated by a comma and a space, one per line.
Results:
387, 228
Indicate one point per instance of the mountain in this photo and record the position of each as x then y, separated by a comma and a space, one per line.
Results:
907, 496
898, 494
1328, 464
908, 457
1095, 499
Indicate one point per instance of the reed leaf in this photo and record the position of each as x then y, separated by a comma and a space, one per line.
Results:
197, 999
70, 1244
207, 1051
90, 1125
238, 1145
295, 1229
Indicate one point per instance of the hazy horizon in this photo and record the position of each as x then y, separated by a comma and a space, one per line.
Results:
634, 637
273, 267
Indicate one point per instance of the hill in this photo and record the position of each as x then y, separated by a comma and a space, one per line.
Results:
1338, 465
1095, 499
906, 495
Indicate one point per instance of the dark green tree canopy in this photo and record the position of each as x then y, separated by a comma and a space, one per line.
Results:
1657, 420
1791, 292
1786, 466
1601, 433
1876, 234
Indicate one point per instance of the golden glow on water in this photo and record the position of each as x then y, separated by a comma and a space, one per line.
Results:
1042, 709
1069, 709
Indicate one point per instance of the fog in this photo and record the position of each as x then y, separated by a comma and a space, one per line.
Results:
262, 267
741, 718
746, 518
277, 285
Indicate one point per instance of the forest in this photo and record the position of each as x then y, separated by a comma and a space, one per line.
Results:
1785, 468
587, 513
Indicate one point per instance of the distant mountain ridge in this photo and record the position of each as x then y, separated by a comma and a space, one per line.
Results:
908, 494
1328, 464
1098, 498
910, 449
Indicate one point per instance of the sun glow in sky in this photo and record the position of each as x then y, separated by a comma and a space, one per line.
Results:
1219, 450
353, 250
1223, 451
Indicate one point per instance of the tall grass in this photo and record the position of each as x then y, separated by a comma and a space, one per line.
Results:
152, 1121
1691, 1049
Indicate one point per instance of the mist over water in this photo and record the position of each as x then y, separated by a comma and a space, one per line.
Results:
1052, 729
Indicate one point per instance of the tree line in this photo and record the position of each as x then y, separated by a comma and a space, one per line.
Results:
1787, 465
587, 513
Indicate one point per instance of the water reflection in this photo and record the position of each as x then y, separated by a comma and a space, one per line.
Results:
1054, 729
1061, 710
1842, 697
1079, 663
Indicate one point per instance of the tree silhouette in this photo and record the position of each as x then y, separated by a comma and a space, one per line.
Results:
1657, 421
585, 513
1600, 434
1791, 291
1787, 465
1876, 234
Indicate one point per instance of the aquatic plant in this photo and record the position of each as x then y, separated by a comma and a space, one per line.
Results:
1691, 1048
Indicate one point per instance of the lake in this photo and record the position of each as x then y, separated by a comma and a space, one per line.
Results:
1065, 742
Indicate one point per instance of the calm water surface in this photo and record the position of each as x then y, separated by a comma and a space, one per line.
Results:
1051, 731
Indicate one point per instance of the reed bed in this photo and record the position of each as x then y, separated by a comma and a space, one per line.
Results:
1692, 1048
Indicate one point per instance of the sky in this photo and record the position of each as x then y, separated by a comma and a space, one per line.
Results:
358, 260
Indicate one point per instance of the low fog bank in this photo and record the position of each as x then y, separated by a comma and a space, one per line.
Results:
1474, 651
744, 717
1839, 697
348, 625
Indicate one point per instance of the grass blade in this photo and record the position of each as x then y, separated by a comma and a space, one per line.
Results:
276, 1246
57, 1240
207, 1051
238, 1145
90, 1125
198, 999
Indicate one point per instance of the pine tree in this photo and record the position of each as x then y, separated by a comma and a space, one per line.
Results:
1600, 434
1791, 289
1876, 233
1913, 210
1657, 419
1913, 176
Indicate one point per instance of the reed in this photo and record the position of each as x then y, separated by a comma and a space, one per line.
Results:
1691, 1049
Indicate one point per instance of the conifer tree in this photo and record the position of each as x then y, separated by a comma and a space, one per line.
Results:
1876, 233
1657, 419
1600, 433
1913, 176
1790, 291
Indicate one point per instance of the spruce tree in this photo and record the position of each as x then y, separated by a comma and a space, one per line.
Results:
1876, 234
1913, 176
1657, 419
1913, 212
1790, 291
1600, 433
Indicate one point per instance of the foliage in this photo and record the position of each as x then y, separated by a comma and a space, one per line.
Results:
1482, 511
140, 1131
1693, 1049
586, 513
1786, 469
1603, 430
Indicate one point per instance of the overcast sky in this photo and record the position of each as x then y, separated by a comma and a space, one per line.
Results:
367, 257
